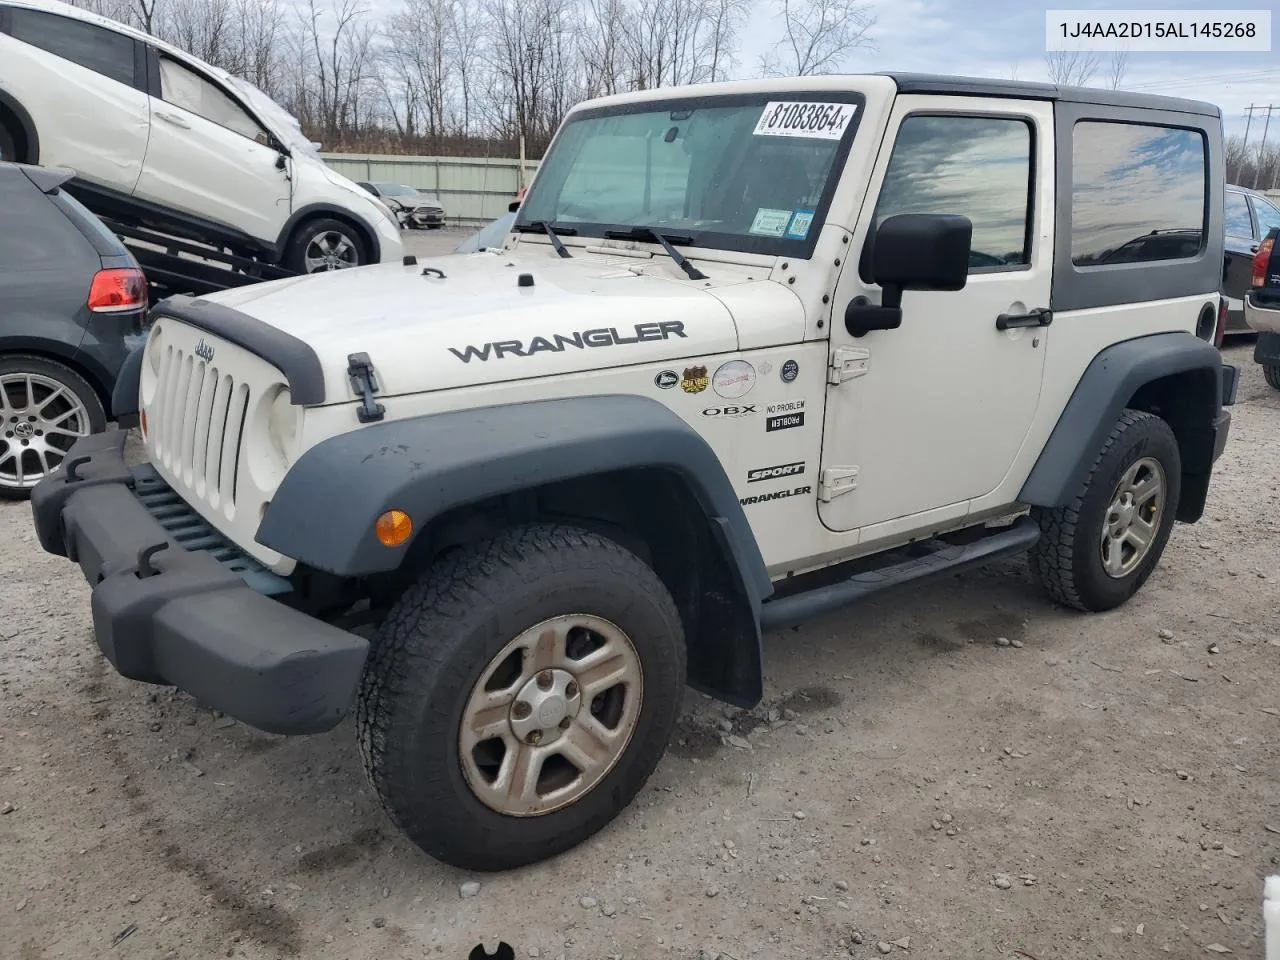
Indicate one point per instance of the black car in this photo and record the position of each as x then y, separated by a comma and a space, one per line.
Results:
1250, 216
72, 304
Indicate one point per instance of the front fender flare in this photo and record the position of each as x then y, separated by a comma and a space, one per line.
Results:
324, 510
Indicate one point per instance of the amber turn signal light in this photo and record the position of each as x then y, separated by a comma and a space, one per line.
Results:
393, 528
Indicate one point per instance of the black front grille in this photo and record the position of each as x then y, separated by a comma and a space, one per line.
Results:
193, 532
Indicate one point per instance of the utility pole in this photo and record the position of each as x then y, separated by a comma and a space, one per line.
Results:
1257, 167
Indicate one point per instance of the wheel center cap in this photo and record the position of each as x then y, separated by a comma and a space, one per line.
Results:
544, 706
24, 430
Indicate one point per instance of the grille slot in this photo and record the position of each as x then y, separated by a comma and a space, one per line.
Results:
197, 427
190, 531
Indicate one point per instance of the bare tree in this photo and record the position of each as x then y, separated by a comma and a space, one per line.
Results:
818, 36
530, 54
205, 28
1116, 69
1071, 68
340, 68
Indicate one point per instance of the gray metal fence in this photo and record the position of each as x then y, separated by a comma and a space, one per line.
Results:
473, 190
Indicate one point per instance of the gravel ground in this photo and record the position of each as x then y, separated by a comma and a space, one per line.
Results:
1100, 787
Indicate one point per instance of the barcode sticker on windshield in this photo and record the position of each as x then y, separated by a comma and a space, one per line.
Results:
819, 121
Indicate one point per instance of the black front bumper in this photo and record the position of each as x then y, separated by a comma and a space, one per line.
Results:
1230, 374
1267, 350
164, 613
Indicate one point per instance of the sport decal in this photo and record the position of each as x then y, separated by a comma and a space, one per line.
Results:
815, 121
775, 473
695, 380
556, 343
666, 379
776, 495
734, 379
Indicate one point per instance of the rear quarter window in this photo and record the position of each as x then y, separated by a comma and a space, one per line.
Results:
1138, 193
36, 238
85, 44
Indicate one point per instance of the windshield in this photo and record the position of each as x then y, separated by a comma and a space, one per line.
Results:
743, 173
395, 190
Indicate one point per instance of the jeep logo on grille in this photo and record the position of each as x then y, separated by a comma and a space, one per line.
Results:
204, 351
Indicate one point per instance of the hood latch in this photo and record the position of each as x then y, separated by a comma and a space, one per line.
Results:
364, 382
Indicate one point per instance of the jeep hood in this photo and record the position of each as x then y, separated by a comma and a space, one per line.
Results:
490, 318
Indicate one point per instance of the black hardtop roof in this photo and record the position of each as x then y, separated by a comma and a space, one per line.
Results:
980, 87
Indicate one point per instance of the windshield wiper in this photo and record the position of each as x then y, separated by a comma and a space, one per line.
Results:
550, 229
667, 239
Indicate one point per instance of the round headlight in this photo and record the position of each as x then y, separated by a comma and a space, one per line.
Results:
283, 422
154, 354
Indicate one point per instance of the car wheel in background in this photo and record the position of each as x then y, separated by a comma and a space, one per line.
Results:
44, 408
321, 245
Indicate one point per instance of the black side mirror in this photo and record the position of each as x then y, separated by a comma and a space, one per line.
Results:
911, 251
513, 206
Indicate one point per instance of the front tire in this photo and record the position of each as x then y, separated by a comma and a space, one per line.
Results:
1271, 371
322, 245
8, 145
45, 407
1098, 550
519, 695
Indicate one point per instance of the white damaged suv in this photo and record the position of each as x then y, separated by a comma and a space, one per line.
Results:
160, 139
752, 352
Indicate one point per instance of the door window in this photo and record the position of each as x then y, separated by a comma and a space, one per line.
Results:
90, 46
1239, 223
976, 167
187, 89
1138, 193
1268, 215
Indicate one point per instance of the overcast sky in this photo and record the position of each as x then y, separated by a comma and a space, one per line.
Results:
993, 38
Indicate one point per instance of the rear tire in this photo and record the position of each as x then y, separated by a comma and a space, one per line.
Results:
1271, 371
326, 244
44, 407
519, 695
1098, 550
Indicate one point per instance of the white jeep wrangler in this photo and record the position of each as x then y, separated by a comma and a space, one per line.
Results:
752, 352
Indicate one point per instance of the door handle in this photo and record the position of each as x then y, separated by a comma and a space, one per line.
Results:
176, 121
1039, 317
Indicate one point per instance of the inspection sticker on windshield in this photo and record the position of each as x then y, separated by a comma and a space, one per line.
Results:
819, 121
771, 223
800, 223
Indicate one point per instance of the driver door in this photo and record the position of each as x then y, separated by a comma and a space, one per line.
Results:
210, 158
931, 415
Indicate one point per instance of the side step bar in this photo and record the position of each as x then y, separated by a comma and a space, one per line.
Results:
793, 610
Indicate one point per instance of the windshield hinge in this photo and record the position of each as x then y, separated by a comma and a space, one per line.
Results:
847, 363
837, 481
365, 384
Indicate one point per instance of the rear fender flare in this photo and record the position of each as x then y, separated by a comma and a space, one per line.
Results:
1110, 383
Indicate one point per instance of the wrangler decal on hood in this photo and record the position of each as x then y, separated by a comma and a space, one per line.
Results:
556, 343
